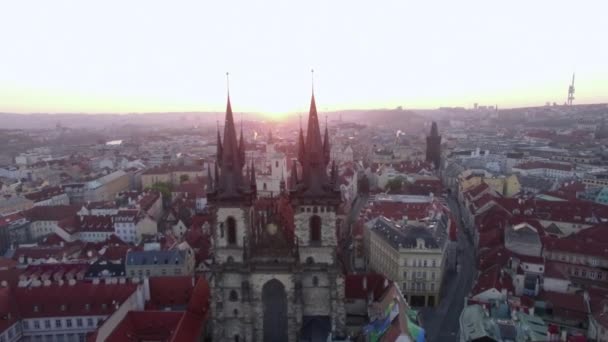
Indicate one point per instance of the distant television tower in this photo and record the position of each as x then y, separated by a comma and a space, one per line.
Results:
571, 92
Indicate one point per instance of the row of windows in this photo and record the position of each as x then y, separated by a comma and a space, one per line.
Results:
316, 209
575, 258
418, 286
419, 275
164, 271
586, 274
423, 263
59, 323
81, 337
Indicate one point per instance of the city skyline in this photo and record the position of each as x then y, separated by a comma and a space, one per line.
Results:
113, 57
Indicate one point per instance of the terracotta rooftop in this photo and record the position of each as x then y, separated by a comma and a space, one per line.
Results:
44, 194
51, 213
79, 299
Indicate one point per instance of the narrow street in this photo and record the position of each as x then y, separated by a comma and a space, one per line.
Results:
358, 204
442, 322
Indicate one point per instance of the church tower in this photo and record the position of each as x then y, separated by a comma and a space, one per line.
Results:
231, 194
433, 146
315, 197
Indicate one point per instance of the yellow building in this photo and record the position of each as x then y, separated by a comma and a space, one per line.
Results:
170, 174
408, 255
504, 185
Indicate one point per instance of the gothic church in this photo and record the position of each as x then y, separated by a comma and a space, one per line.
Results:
276, 276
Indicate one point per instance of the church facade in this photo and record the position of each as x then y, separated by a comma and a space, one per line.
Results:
276, 275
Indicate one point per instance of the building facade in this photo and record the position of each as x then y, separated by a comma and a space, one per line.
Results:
276, 276
410, 256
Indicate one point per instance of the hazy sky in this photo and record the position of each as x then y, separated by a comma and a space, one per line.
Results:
125, 56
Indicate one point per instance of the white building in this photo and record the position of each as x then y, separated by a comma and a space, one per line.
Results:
268, 182
67, 311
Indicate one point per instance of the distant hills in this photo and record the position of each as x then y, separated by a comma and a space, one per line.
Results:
179, 119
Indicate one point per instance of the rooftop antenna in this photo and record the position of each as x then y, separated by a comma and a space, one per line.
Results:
228, 83
571, 92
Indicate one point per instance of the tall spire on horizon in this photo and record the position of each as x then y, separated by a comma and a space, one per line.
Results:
230, 183
314, 181
326, 146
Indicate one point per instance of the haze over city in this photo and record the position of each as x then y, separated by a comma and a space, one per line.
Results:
158, 56
311, 171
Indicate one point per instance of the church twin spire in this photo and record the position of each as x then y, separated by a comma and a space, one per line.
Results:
229, 183
313, 156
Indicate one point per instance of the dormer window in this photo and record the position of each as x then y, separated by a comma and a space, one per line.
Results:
87, 307
63, 307
104, 306
36, 308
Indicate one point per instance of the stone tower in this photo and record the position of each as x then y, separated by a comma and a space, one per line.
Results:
433, 146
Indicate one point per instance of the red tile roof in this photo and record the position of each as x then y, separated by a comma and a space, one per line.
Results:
477, 190
191, 326
170, 291
493, 278
80, 299
146, 326
45, 252
556, 270
359, 286
148, 199
6, 263
44, 194
568, 305
8, 309
86, 223
531, 165
51, 213
55, 272
575, 246
493, 256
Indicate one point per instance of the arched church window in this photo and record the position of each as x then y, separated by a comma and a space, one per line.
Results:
264, 186
315, 228
231, 223
235, 312
234, 296
315, 281
236, 338
276, 164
